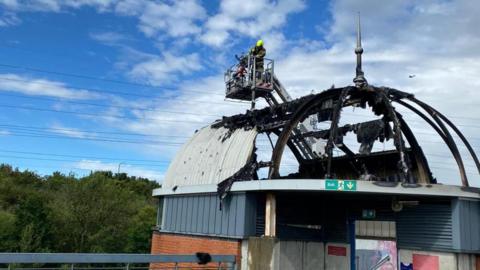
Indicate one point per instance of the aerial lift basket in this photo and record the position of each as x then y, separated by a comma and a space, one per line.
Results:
243, 82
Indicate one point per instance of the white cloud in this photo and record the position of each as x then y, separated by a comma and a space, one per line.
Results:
41, 87
9, 19
433, 41
177, 19
55, 5
108, 37
436, 40
11, 4
160, 70
173, 18
34, 5
130, 7
70, 132
198, 111
97, 165
251, 18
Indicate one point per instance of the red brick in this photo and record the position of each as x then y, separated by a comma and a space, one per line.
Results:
168, 243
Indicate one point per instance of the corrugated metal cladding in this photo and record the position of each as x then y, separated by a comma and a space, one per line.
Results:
201, 214
425, 226
210, 156
466, 225
375, 228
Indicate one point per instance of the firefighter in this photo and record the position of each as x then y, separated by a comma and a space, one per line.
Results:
259, 53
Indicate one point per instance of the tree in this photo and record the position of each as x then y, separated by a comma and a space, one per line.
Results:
7, 232
33, 224
102, 212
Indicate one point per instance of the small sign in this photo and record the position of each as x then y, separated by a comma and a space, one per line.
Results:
368, 213
425, 262
341, 185
337, 251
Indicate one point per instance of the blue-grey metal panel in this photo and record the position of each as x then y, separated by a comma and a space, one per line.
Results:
425, 226
197, 217
466, 225
160, 211
205, 212
174, 212
233, 207
201, 214
168, 213
250, 204
211, 214
183, 226
188, 226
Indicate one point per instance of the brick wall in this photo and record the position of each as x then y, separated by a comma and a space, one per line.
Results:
167, 243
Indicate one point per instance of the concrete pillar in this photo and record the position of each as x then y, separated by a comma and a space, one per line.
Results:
270, 215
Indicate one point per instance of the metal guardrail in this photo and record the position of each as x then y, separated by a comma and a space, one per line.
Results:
77, 261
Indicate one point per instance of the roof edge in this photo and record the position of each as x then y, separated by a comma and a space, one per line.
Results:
320, 185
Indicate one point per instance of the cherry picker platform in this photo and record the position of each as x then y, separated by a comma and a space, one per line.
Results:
244, 82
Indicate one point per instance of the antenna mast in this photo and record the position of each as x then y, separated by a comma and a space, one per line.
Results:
359, 79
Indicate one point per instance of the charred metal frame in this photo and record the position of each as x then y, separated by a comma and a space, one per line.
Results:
283, 120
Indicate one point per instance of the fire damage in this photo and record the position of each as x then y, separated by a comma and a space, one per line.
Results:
287, 119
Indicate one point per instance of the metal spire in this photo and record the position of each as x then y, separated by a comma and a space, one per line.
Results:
359, 79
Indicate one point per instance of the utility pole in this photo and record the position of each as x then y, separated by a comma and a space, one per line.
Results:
119, 165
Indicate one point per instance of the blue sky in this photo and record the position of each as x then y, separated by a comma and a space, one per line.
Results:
79, 76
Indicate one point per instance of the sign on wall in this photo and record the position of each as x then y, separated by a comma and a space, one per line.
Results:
341, 185
337, 251
425, 262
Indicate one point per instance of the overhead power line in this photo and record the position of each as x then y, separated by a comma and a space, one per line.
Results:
40, 132
88, 77
145, 164
69, 160
90, 136
149, 109
35, 135
97, 115
40, 128
151, 97
133, 108
136, 108
83, 156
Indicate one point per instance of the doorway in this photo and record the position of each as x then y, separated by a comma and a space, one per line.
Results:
375, 245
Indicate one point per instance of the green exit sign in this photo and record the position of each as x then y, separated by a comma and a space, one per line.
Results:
341, 185
368, 213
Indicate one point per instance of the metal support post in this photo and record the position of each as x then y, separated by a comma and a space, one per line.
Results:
254, 83
352, 239
253, 99
270, 215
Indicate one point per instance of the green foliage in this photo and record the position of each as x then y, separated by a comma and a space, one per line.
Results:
103, 212
7, 230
